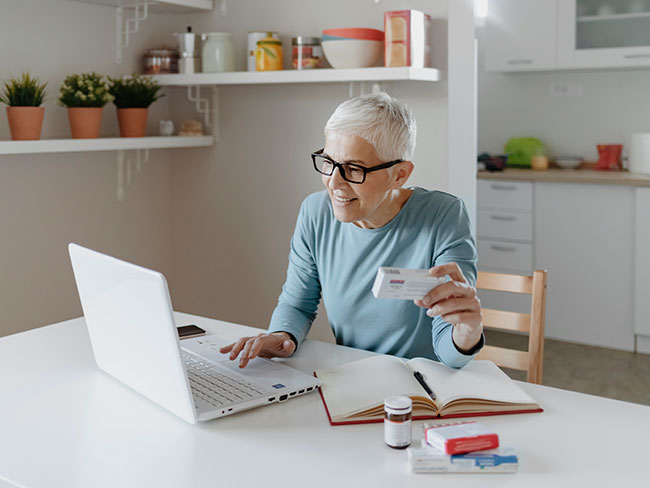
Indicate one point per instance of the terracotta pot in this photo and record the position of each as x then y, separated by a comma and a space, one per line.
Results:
85, 122
25, 123
132, 121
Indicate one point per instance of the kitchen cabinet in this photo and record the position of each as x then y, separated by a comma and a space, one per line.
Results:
505, 226
521, 35
594, 245
600, 34
642, 270
536, 35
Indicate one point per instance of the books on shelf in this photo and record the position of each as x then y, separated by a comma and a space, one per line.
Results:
354, 393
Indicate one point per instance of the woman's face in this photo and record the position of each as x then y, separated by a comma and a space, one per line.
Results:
368, 204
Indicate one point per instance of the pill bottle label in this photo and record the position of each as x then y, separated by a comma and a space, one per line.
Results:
397, 434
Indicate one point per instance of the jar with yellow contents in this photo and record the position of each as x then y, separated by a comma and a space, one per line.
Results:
268, 55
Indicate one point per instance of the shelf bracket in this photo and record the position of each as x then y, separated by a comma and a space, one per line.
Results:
208, 106
375, 87
125, 170
223, 8
131, 26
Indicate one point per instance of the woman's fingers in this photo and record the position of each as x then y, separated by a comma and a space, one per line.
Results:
450, 269
447, 290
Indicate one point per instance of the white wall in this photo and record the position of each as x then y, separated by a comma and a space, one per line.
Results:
49, 200
613, 104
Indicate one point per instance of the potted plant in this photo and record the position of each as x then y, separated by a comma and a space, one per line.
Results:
85, 96
24, 97
132, 97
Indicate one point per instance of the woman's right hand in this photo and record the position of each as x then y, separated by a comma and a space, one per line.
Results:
276, 344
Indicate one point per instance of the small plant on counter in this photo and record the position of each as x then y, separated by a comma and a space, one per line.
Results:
132, 97
85, 95
24, 96
84, 90
136, 91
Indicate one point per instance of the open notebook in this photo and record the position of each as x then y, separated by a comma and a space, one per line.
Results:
354, 392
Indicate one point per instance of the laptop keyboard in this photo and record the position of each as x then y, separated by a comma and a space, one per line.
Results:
211, 385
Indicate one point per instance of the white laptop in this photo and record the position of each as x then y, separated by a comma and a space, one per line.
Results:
131, 326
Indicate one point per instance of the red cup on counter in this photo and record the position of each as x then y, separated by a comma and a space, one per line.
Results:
609, 157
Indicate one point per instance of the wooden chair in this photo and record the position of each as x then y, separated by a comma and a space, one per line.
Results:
531, 361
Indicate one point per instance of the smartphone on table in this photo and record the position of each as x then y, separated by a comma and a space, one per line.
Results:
187, 331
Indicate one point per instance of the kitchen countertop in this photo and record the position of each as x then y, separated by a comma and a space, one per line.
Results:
557, 175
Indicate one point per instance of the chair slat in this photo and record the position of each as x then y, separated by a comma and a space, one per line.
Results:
507, 358
504, 320
504, 282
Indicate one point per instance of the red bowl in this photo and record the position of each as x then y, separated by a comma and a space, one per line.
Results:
356, 33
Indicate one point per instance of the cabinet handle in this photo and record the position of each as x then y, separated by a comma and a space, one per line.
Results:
503, 218
636, 56
494, 247
495, 186
520, 61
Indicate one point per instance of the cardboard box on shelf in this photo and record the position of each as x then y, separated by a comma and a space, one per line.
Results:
407, 38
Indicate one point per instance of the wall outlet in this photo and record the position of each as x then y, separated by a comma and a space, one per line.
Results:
566, 89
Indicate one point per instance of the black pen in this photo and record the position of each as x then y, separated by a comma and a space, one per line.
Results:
420, 378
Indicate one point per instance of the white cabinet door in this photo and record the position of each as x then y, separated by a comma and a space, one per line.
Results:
596, 34
642, 270
521, 35
584, 237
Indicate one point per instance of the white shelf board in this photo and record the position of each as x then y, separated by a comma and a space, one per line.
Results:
160, 6
301, 76
102, 144
600, 18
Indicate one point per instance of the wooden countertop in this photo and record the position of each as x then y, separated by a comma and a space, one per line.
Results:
557, 175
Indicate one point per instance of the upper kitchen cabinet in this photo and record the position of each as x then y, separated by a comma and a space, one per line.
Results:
540, 35
521, 35
603, 33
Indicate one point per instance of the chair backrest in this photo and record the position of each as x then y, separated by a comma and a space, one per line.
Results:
531, 361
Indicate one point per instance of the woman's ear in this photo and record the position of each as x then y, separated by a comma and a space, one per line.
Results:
402, 173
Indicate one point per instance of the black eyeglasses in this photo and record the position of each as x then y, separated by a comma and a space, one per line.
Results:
353, 173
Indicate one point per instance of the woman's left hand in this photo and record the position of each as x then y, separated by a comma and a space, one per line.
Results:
456, 302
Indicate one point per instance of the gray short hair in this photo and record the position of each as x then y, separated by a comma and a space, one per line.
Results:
381, 120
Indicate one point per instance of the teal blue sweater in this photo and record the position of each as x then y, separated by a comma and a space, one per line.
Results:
340, 261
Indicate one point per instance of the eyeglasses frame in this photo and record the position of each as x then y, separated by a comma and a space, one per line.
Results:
338, 165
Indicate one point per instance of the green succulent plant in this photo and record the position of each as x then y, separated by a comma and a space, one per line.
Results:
24, 91
84, 90
136, 91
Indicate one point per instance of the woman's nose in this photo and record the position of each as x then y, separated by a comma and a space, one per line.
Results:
336, 179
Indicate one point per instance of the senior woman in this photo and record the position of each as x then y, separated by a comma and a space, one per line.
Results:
365, 219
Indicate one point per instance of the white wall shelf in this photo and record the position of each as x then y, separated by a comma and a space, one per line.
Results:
102, 144
160, 6
301, 76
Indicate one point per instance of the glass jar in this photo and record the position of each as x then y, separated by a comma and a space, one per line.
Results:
268, 55
218, 53
160, 61
306, 52
397, 421
539, 160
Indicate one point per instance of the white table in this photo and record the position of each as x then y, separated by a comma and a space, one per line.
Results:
64, 423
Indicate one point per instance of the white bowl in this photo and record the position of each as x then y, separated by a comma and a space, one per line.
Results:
353, 53
568, 162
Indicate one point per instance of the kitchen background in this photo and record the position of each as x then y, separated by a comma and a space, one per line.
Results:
217, 221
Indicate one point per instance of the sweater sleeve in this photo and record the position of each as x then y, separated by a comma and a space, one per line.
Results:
298, 303
455, 244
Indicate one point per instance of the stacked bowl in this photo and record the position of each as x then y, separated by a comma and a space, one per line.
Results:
354, 47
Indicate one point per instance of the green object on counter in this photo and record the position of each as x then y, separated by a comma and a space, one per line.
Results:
520, 150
